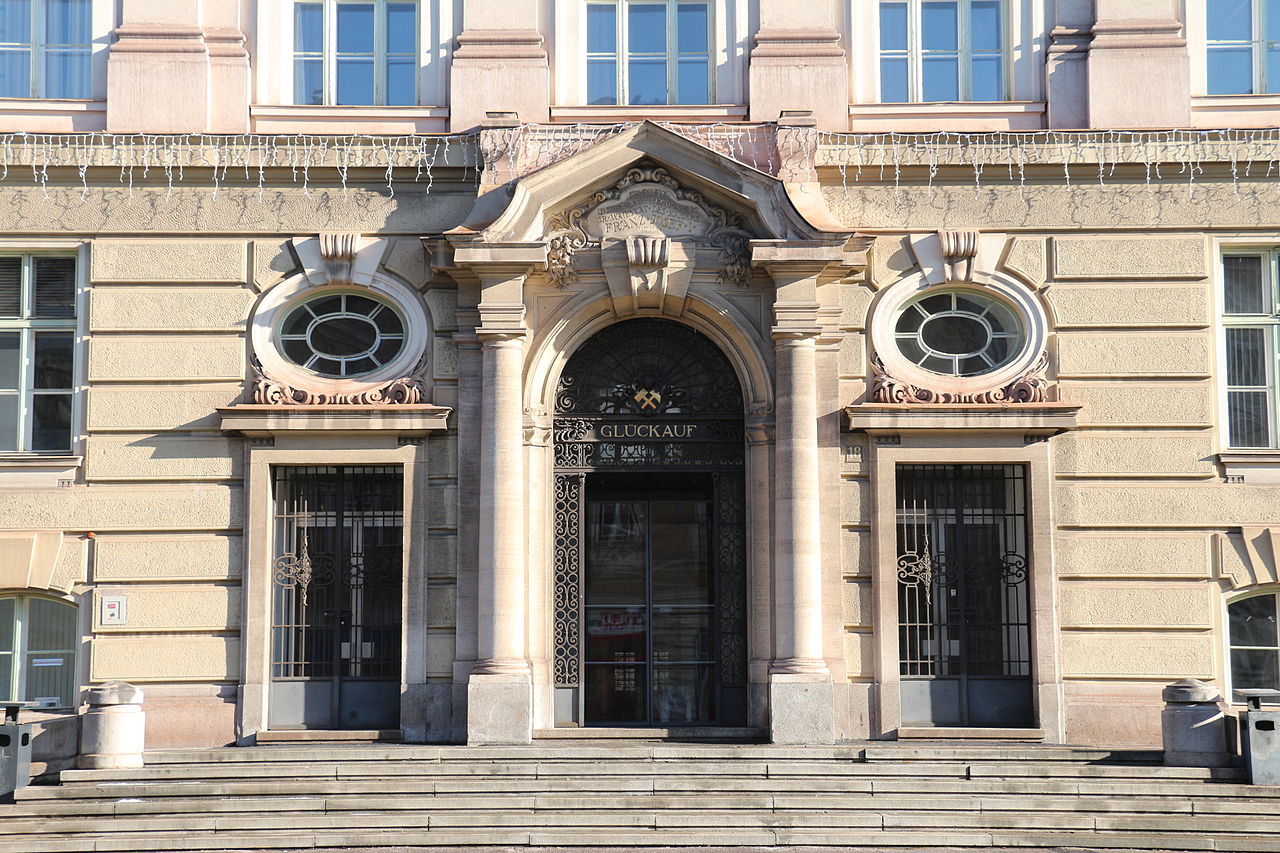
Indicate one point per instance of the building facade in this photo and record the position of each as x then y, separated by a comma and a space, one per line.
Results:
818, 372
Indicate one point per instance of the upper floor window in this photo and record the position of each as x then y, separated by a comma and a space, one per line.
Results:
38, 639
45, 49
1254, 646
648, 52
1243, 46
37, 345
355, 52
1251, 320
943, 50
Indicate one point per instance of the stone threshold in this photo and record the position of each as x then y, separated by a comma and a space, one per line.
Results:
968, 733
674, 733
330, 736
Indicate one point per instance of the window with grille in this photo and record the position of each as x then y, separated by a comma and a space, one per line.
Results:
943, 50
45, 49
355, 52
37, 351
1251, 321
643, 52
38, 638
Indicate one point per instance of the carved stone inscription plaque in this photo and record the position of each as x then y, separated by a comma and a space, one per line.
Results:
649, 210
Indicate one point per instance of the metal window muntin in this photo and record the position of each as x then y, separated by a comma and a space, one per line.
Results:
1270, 323
328, 54
622, 55
27, 326
915, 53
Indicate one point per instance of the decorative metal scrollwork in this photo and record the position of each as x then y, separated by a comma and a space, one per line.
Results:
567, 595
298, 571
731, 566
925, 570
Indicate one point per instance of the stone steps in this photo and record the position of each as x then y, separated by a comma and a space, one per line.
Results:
644, 795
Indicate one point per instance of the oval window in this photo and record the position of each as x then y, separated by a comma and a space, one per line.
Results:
958, 333
341, 335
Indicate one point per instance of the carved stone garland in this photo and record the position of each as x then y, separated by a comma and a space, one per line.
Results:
1031, 387
405, 391
567, 235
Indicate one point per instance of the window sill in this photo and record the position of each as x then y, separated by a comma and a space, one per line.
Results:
38, 470
1260, 467
292, 118
37, 115
958, 115
653, 112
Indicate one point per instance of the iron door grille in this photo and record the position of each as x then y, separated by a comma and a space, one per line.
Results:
337, 573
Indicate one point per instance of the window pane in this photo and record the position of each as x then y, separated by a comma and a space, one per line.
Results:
6, 677
647, 28
893, 26
54, 280
402, 78
308, 28
1253, 668
602, 28
647, 81
402, 28
51, 422
602, 81
1273, 70
1242, 277
1247, 357
692, 85
1230, 71
1247, 414
10, 287
988, 78
1229, 20
9, 414
691, 27
893, 81
984, 18
15, 22
51, 679
1273, 20
355, 28
355, 81
615, 554
66, 74
15, 74
51, 625
10, 362
67, 22
308, 81
7, 610
939, 24
941, 78
53, 360
1253, 621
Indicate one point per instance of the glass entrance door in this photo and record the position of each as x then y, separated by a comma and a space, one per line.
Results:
649, 656
336, 598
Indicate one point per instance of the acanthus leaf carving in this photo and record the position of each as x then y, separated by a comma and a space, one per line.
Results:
1031, 387
268, 391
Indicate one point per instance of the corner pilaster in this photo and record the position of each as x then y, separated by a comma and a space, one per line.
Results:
798, 63
500, 64
1139, 69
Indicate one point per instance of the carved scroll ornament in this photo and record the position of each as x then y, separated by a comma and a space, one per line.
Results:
1031, 387
405, 391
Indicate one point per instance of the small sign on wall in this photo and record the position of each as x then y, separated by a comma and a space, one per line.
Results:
113, 610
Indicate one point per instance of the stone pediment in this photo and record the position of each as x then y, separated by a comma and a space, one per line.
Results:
647, 202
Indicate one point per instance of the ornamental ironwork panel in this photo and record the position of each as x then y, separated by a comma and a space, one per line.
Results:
567, 602
962, 569
731, 568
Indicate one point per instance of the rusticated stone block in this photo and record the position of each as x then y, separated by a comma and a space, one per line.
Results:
1134, 354
1137, 655
1148, 305
190, 507
161, 458
1117, 258
1134, 453
132, 558
178, 658
1082, 555
159, 358
212, 309
1141, 403
1154, 604
172, 608
162, 260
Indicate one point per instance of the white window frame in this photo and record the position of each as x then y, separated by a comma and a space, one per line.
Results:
38, 47
329, 54
731, 25
622, 54
1271, 281
1026, 40
17, 675
26, 326
1257, 51
915, 51
1228, 691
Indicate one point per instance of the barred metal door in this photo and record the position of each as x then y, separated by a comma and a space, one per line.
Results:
336, 598
964, 636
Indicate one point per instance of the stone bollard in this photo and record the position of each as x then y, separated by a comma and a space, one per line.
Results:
1195, 726
112, 730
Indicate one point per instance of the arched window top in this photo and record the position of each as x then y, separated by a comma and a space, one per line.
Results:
649, 367
38, 639
1253, 640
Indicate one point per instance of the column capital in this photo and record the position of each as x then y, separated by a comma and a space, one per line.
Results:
789, 261
497, 337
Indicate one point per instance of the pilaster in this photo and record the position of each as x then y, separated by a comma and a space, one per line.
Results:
1139, 69
798, 63
1066, 72
500, 64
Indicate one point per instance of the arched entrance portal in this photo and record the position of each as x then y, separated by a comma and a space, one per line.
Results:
650, 585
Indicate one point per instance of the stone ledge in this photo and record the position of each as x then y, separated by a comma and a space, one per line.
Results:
257, 420
1260, 467
1038, 419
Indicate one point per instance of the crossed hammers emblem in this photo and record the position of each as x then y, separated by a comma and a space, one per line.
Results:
648, 399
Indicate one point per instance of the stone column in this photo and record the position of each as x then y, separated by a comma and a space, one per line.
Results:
1139, 70
798, 64
801, 694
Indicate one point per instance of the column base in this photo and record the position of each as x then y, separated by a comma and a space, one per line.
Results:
499, 709
801, 711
